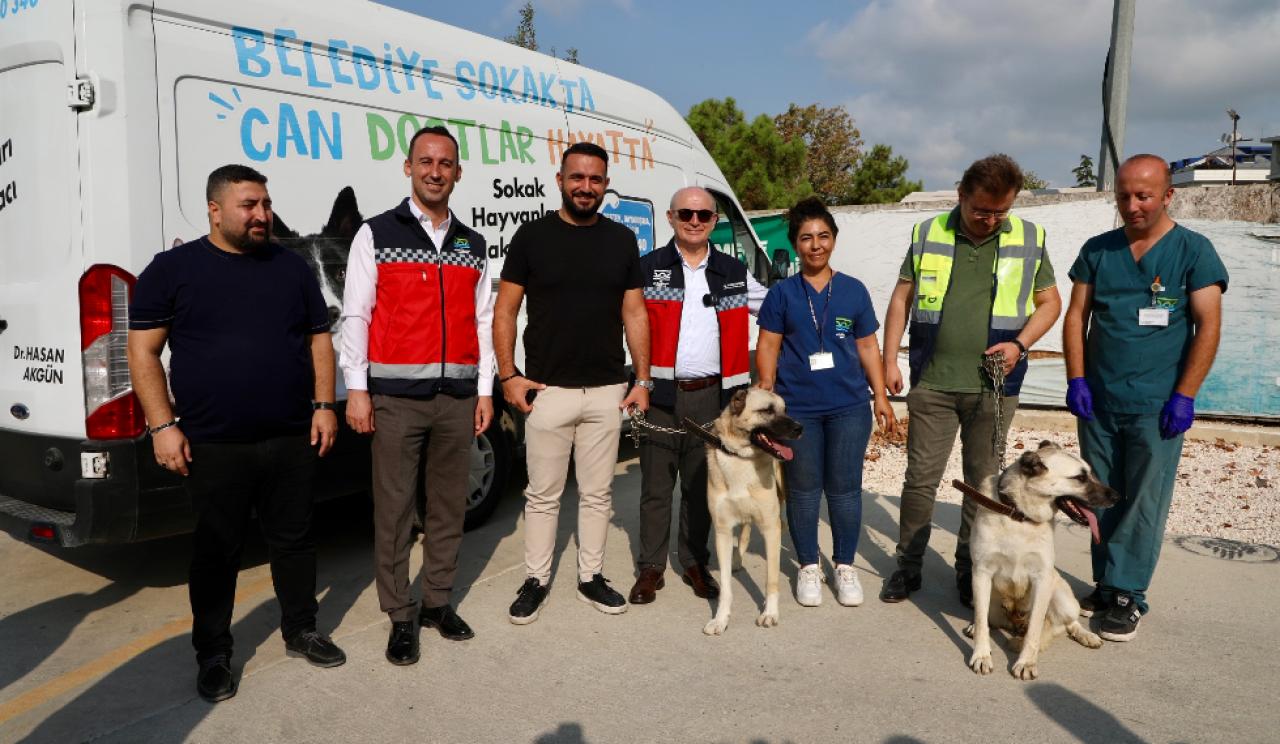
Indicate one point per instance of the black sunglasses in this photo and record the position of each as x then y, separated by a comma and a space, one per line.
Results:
704, 215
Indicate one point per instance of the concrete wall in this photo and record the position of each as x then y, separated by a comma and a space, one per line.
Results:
1246, 203
1252, 203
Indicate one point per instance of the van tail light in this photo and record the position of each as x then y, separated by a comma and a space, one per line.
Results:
112, 411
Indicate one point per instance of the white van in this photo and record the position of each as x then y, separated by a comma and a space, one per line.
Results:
112, 114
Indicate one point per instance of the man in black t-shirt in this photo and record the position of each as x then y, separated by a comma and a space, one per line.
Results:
582, 276
253, 384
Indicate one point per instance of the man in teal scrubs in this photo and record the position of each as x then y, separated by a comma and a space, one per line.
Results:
1150, 296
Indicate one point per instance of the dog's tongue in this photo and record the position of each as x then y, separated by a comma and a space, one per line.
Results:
1093, 525
780, 449
1080, 514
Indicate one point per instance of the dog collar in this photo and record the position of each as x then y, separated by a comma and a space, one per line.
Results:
1001, 507
692, 427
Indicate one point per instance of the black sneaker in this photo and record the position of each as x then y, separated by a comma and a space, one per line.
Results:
1094, 603
1121, 621
601, 596
529, 602
214, 681
316, 648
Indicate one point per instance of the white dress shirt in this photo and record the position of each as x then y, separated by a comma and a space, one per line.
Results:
698, 349
360, 292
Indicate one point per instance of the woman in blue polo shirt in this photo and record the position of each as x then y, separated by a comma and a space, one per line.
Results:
817, 349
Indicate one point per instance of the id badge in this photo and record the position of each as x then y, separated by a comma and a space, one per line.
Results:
1153, 316
821, 360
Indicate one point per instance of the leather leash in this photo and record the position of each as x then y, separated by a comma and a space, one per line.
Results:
692, 427
1008, 510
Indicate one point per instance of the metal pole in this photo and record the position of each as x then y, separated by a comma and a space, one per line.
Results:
1115, 93
1235, 119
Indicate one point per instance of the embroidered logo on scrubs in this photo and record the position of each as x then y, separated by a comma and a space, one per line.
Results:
1167, 303
843, 326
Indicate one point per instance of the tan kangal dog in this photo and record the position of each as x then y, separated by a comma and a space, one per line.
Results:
1015, 584
744, 485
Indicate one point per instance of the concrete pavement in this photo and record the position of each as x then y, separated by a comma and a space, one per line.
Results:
95, 647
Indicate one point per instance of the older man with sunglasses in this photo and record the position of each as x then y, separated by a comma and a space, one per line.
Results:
698, 300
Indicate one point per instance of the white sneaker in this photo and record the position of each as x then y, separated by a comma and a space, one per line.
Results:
848, 590
809, 586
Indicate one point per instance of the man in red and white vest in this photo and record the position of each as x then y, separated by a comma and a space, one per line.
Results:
698, 300
417, 357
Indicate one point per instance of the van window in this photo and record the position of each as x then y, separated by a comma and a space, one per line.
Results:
733, 236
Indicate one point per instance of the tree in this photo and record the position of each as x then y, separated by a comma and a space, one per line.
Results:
526, 35
764, 170
832, 146
1084, 172
880, 178
1031, 182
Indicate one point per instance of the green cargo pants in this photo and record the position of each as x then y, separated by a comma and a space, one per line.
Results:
931, 434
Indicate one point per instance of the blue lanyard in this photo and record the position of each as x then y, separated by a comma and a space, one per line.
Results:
813, 314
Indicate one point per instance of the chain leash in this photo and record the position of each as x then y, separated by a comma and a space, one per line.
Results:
638, 422
993, 366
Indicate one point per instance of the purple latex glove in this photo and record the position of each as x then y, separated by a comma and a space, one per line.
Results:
1079, 399
1177, 415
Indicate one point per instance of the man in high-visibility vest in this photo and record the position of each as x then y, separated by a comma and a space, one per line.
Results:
976, 281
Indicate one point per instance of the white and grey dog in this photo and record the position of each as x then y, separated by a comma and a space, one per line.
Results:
1015, 584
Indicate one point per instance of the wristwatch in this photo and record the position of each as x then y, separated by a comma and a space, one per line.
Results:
646, 384
1022, 350
322, 405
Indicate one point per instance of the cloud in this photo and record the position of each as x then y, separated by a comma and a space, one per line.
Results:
947, 82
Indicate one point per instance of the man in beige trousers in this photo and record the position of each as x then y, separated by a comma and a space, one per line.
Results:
581, 274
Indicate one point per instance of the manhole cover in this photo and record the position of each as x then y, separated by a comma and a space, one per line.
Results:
1228, 550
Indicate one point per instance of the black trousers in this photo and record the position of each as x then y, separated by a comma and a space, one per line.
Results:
663, 457
227, 481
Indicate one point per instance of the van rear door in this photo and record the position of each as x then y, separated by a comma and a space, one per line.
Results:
41, 385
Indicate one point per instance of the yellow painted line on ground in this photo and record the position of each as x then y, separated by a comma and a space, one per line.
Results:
110, 661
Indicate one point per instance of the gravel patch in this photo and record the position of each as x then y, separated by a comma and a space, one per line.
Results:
1223, 490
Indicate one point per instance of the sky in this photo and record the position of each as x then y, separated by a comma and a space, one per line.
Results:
943, 82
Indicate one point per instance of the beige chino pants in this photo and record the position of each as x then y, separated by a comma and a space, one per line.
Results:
584, 423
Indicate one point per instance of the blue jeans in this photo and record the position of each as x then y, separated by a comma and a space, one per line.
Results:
828, 458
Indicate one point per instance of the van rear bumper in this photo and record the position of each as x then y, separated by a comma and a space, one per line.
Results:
41, 484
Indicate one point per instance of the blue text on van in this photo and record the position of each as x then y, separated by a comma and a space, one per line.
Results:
399, 71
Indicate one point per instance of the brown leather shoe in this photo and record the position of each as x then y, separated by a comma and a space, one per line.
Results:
698, 577
647, 585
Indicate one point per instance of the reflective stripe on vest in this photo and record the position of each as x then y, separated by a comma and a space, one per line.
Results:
1018, 254
665, 305
424, 371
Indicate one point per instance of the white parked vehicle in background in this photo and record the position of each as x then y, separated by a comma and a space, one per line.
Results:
112, 114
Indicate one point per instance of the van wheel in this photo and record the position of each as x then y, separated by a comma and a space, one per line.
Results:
487, 481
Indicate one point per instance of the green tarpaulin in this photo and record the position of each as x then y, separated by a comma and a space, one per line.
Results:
772, 230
